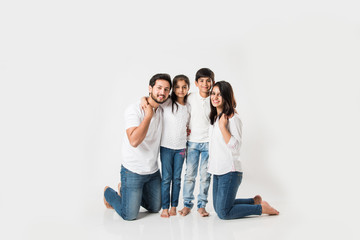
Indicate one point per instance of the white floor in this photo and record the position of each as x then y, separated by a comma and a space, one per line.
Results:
87, 218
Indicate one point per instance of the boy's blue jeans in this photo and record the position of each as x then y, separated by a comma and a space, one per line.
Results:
226, 206
195, 152
136, 190
171, 167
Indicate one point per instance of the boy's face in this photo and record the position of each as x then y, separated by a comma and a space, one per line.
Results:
204, 84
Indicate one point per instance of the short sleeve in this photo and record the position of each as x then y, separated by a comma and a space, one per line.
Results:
133, 116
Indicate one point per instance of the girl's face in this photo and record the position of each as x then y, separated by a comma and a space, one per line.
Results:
181, 89
216, 98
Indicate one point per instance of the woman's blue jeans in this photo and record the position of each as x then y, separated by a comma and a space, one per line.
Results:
171, 167
136, 190
225, 203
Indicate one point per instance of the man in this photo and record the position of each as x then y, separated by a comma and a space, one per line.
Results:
140, 175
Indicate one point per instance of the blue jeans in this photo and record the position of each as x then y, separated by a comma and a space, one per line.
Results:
194, 152
226, 206
136, 190
171, 167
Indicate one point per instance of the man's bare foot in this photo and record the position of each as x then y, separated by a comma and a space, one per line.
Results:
173, 211
165, 213
267, 209
105, 202
203, 212
119, 187
185, 211
257, 199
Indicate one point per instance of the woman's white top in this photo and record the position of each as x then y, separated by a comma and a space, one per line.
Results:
225, 158
174, 125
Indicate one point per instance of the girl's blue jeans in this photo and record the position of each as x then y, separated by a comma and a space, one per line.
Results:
171, 167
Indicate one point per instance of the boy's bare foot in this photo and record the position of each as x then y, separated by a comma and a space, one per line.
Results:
257, 199
185, 211
173, 211
119, 187
267, 209
165, 213
203, 212
105, 202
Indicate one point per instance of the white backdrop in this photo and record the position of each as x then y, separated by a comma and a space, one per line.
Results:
68, 69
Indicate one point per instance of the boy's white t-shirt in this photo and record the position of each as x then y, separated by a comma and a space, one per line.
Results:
142, 159
199, 121
174, 125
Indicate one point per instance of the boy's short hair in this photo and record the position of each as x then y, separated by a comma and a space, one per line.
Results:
163, 76
205, 72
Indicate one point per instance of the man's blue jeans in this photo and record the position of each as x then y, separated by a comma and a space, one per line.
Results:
171, 167
195, 151
136, 190
226, 206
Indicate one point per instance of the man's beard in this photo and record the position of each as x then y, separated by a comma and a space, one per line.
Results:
153, 98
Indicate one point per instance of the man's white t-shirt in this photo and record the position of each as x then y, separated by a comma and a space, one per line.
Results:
199, 121
142, 159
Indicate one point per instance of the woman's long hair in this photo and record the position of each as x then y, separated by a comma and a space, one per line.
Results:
229, 103
173, 95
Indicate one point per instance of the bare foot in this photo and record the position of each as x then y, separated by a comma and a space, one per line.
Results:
257, 199
173, 211
185, 211
105, 202
203, 212
267, 209
119, 187
165, 213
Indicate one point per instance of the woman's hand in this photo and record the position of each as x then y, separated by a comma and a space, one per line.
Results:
223, 121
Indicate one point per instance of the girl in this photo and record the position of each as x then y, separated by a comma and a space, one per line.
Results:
224, 158
173, 143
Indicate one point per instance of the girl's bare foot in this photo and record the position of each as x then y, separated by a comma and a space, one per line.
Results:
257, 199
185, 211
267, 209
173, 211
119, 187
105, 202
165, 213
203, 212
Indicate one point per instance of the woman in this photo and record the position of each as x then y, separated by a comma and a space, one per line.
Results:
224, 158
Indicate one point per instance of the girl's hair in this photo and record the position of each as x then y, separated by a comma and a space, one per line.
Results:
229, 103
173, 95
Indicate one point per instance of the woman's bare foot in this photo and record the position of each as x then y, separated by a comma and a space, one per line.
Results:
185, 211
203, 212
105, 202
165, 213
173, 211
257, 199
267, 209
119, 187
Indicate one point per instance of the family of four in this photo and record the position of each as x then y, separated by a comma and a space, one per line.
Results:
202, 127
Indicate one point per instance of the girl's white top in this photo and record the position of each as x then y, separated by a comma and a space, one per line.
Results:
225, 158
174, 125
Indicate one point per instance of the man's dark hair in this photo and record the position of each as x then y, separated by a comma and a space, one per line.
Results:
205, 72
162, 76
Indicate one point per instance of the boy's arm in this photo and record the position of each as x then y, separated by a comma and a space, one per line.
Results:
137, 134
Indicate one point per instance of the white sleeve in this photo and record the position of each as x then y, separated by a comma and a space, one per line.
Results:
133, 116
235, 129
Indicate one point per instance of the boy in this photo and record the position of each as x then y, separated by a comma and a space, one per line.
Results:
198, 143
